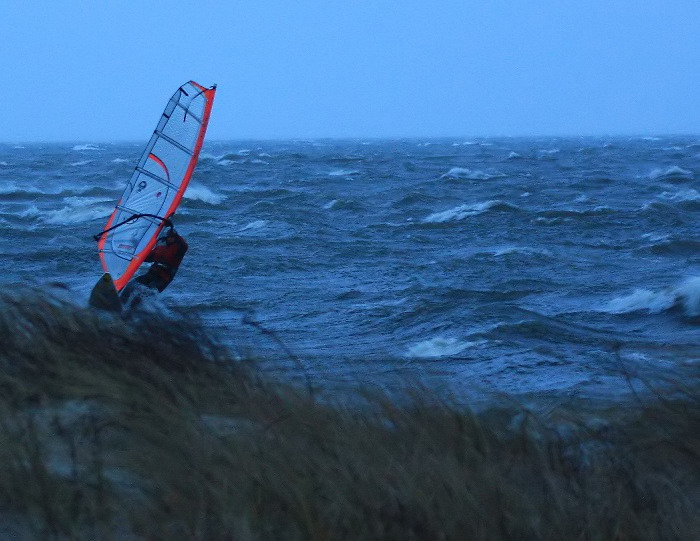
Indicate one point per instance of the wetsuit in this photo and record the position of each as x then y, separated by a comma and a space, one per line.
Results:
166, 259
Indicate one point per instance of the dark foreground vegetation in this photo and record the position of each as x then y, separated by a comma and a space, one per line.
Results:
147, 429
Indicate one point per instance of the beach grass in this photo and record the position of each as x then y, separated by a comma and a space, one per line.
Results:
148, 428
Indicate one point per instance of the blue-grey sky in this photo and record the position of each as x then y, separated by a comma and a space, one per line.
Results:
103, 71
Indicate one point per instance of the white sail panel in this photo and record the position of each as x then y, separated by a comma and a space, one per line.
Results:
158, 183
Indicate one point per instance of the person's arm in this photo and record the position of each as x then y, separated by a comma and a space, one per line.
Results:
155, 253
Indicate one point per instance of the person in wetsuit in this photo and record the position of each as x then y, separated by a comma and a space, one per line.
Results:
166, 258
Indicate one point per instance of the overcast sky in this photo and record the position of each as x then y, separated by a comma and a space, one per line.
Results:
103, 71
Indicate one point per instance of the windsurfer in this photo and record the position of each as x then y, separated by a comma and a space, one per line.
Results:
166, 258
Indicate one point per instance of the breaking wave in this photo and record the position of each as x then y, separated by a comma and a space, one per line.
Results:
198, 192
343, 173
437, 347
460, 173
89, 146
671, 173
465, 211
686, 296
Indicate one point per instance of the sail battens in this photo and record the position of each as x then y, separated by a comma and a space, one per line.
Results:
189, 112
127, 209
155, 177
158, 184
173, 142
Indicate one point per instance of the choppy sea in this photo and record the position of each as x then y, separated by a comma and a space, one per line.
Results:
524, 265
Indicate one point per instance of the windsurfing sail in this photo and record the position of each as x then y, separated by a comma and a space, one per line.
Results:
158, 183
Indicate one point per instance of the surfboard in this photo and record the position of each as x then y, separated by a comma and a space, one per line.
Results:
157, 185
104, 295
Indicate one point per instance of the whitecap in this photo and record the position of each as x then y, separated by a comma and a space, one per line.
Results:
80, 163
514, 156
655, 237
81, 201
686, 295
198, 192
464, 211
257, 224
524, 250
226, 163
468, 174
330, 204
4, 163
673, 172
74, 214
343, 173
89, 146
30, 212
120, 160
7, 188
682, 195
437, 347
642, 299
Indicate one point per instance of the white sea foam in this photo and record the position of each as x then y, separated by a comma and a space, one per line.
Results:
343, 173
30, 212
514, 156
78, 210
642, 299
8, 187
4, 163
437, 347
89, 146
469, 174
689, 295
80, 163
655, 237
673, 172
255, 225
461, 212
525, 250
682, 195
686, 295
226, 163
330, 204
120, 160
198, 192
80, 201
